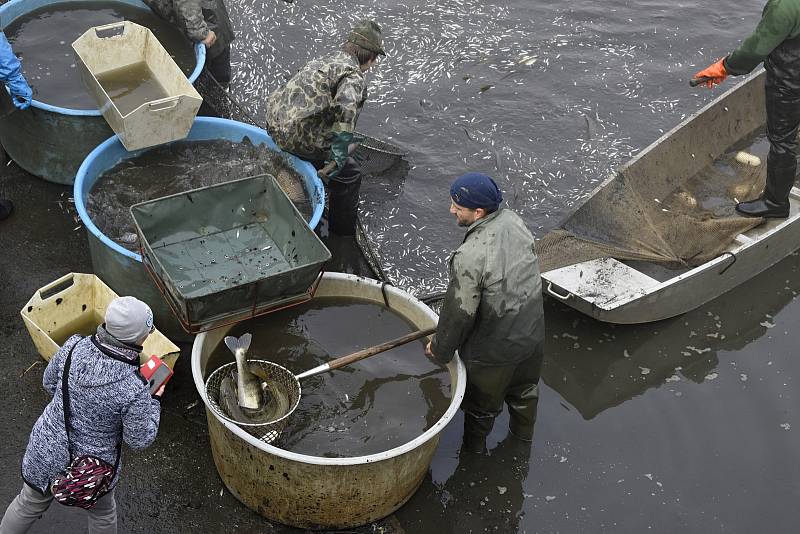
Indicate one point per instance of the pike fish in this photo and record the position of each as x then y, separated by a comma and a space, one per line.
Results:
244, 396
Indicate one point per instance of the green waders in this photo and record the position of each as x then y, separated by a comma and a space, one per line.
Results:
488, 387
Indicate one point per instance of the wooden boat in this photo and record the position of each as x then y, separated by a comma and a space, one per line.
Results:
629, 292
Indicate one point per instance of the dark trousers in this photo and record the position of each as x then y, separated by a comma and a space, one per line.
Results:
490, 386
220, 66
343, 195
215, 101
783, 120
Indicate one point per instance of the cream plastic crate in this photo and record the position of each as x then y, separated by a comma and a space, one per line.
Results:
122, 44
76, 304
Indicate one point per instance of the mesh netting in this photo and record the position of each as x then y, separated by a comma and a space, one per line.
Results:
282, 383
694, 222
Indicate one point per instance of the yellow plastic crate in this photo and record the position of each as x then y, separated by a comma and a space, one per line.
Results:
76, 304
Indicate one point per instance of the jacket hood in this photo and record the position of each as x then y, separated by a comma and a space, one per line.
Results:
93, 366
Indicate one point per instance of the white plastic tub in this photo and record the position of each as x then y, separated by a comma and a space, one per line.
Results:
103, 49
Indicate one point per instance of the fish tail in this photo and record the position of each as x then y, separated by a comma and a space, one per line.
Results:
239, 344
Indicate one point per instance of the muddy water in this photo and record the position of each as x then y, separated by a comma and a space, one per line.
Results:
43, 40
368, 407
178, 167
625, 441
130, 87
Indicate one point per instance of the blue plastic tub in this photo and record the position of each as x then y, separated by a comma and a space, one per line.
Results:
121, 269
50, 141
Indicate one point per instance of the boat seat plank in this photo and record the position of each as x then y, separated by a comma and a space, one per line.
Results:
601, 281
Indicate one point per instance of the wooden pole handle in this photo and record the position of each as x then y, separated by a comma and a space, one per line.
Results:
366, 353
377, 349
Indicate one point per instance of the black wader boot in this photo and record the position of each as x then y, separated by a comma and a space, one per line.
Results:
489, 387
215, 103
344, 195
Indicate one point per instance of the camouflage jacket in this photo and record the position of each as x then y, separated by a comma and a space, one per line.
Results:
195, 18
492, 312
323, 99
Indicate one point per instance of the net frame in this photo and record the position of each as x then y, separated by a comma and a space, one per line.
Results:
278, 377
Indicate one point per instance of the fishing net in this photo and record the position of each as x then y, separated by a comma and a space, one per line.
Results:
692, 222
280, 380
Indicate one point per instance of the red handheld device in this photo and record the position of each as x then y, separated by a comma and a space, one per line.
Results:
156, 372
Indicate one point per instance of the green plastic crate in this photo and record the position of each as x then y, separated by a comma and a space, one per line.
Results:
228, 252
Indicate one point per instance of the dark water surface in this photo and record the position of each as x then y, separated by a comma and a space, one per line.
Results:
178, 167
689, 425
43, 40
368, 407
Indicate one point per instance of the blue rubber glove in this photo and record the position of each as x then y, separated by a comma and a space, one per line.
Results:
340, 150
11, 75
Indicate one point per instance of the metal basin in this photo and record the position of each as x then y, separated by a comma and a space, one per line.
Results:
122, 269
312, 491
51, 141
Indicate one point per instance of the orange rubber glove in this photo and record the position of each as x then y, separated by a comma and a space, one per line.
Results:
715, 73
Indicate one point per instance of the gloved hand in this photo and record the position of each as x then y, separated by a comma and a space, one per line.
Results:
340, 149
715, 73
21, 92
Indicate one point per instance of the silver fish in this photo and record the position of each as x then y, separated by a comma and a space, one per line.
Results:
228, 401
248, 386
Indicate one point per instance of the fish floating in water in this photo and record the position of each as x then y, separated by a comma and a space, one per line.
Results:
243, 396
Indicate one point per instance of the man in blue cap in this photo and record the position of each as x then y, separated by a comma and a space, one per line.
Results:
492, 313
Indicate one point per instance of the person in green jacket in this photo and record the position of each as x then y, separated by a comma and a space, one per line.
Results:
314, 117
492, 313
776, 43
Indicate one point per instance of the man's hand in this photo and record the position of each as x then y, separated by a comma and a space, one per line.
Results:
210, 39
160, 391
429, 352
713, 74
326, 172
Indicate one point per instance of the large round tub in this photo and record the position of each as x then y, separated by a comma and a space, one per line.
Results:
122, 269
318, 492
51, 141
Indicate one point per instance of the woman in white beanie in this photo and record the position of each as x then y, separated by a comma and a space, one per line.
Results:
110, 402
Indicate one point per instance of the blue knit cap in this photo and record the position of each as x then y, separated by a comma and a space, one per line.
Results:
475, 190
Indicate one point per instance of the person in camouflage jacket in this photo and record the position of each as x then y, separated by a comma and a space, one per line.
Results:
202, 21
314, 117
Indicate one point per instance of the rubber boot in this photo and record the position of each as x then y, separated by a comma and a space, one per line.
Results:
524, 434
474, 443
774, 202
344, 196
